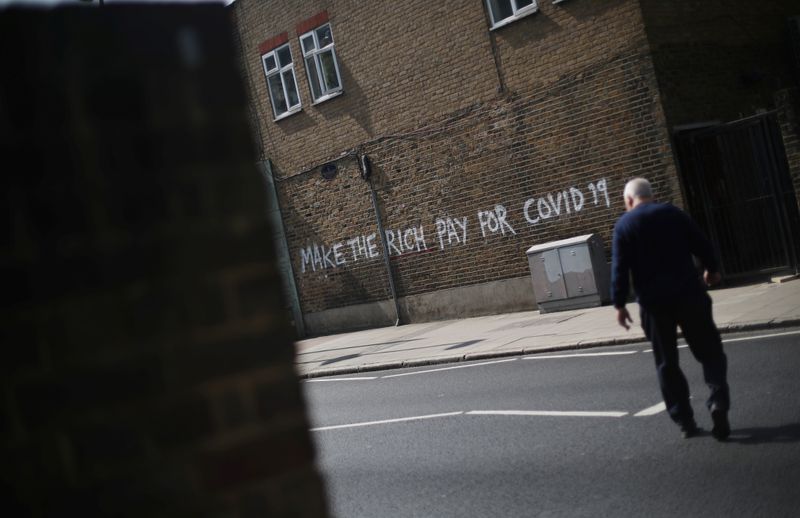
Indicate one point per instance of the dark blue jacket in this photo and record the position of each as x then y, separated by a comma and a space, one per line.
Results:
655, 243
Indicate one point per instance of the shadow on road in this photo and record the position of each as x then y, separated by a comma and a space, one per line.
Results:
775, 434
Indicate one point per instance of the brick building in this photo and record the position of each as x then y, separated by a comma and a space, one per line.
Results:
490, 126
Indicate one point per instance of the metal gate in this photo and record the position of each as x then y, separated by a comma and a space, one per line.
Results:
738, 188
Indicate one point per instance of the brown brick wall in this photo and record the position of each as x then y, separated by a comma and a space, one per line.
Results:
147, 367
564, 38
719, 60
323, 217
388, 58
599, 129
455, 157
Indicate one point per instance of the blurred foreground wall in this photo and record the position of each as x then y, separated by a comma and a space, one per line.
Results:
146, 360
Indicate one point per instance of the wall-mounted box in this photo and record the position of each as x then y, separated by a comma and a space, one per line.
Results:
569, 274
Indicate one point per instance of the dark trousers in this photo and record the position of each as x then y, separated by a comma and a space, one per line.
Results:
693, 315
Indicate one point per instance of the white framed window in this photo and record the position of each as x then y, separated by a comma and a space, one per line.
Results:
321, 64
281, 81
504, 12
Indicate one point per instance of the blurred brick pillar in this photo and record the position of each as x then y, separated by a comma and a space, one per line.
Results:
146, 361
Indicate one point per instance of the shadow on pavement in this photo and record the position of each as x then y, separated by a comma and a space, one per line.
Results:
358, 346
463, 344
763, 435
340, 359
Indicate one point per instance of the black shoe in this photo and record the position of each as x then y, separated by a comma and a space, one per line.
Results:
689, 429
722, 429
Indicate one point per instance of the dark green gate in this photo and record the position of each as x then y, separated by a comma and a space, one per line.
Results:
738, 188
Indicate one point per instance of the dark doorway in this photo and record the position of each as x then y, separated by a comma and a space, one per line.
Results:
738, 188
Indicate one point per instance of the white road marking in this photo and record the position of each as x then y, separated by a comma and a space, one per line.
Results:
760, 336
742, 339
547, 413
448, 368
549, 356
679, 347
651, 410
384, 421
319, 380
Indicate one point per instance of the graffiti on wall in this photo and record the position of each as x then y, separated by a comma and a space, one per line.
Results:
447, 231
495, 221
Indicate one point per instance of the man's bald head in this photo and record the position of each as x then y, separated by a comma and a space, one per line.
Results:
637, 191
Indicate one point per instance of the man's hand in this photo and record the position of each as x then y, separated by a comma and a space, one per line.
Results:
712, 279
623, 317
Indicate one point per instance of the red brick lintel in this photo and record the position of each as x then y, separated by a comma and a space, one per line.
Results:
273, 43
313, 22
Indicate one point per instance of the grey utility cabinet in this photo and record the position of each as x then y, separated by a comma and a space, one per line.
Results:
569, 274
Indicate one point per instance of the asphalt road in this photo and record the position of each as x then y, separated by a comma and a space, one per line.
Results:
554, 436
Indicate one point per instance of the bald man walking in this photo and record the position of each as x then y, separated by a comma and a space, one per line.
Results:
654, 243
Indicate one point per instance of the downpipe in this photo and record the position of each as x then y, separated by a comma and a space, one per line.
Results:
366, 174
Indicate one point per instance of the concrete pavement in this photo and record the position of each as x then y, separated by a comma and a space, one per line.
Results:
755, 306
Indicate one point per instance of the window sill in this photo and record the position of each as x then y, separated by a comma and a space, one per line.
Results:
287, 114
327, 97
520, 14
